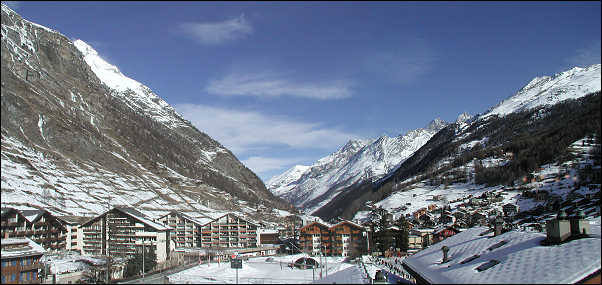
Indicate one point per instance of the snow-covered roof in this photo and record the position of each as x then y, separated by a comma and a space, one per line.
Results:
29, 248
521, 259
347, 222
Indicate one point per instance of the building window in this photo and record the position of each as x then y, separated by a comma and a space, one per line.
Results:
14, 263
13, 277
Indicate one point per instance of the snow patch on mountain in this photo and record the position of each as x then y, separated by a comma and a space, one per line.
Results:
138, 96
312, 187
549, 90
285, 181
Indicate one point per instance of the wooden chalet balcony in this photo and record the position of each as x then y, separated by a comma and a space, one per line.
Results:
28, 267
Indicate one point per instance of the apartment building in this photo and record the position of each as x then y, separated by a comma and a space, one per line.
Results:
37, 225
341, 239
123, 232
20, 261
228, 231
72, 224
290, 226
314, 238
346, 237
185, 229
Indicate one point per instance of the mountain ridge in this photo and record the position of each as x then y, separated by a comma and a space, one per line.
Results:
74, 142
357, 160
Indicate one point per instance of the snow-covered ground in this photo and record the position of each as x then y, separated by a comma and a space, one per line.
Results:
271, 270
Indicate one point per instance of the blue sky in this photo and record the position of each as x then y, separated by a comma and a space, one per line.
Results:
285, 83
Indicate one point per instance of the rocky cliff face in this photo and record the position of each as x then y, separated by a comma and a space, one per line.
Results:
75, 139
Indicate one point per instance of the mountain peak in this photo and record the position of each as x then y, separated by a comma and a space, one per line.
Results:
463, 118
549, 90
436, 124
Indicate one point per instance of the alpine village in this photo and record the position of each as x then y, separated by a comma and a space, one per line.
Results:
104, 182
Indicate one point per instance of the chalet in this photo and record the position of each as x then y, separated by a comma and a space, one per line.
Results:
510, 209
426, 235
291, 226
343, 239
20, 260
478, 219
444, 233
386, 239
123, 232
229, 231
513, 257
37, 225
420, 212
414, 243
447, 219
314, 238
347, 239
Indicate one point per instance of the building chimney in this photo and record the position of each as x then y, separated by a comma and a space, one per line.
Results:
497, 225
445, 249
559, 229
579, 226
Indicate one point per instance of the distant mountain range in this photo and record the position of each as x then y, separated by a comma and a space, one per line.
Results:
309, 187
317, 188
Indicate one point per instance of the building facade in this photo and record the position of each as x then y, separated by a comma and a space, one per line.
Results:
72, 224
123, 232
314, 239
185, 229
37, 225
343, 239
228, 231
20, 259
347, 237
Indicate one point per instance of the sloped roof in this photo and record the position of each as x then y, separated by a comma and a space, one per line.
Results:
142, 218
347, 222
134, 214
231, 214
72, 220
314, 223
32, 215
30, 248
521, 259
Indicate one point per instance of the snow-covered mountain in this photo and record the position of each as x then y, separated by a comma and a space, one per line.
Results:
359, 160
506, 146
78, 135
549, 90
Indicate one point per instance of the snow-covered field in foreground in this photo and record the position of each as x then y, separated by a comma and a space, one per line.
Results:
258, 271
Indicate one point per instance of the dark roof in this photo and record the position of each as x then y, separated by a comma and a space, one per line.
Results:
72, 220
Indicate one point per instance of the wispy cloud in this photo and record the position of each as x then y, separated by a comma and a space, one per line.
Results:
403, 64
242, 131
216, 33
273, 84
263, 165
585, 56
